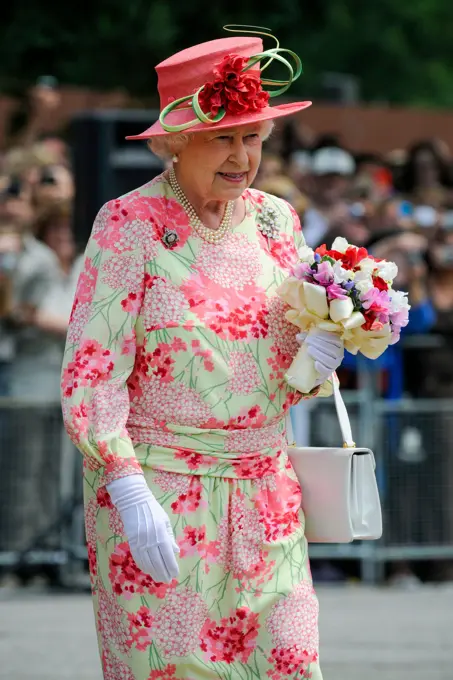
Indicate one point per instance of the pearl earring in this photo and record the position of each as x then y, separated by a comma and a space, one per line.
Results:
175, 159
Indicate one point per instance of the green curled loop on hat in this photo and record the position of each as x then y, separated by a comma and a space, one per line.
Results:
278, 86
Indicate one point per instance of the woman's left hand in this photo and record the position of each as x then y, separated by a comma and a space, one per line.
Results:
326, 349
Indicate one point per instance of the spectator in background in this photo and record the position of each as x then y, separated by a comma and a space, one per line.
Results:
10, 247
408, 250
36, 371
333, 169
427, 177
44, 281
54, 183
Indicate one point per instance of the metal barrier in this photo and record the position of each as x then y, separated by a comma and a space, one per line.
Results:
413, 444
41, 507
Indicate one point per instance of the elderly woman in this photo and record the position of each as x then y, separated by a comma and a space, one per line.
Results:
173, 390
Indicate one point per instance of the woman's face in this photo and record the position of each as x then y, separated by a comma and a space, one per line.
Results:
218, 166
55, 183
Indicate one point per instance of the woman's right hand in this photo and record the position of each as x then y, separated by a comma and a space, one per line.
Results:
147, 528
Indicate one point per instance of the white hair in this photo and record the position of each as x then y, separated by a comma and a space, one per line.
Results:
170, 145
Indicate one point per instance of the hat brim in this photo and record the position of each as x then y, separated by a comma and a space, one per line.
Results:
229, 121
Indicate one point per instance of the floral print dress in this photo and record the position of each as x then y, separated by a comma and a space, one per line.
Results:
174, 366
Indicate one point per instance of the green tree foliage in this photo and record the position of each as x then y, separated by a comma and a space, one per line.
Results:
402, 52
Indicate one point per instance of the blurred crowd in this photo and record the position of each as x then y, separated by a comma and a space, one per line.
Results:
38, 259
399, 205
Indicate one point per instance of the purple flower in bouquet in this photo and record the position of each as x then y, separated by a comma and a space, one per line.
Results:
398, 320
324, 274
336, 292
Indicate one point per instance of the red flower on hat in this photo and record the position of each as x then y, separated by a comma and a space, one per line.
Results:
233, 89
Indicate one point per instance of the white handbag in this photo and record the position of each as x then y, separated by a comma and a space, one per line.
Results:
340, 496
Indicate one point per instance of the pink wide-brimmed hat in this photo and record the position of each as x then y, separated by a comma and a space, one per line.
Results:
219, 84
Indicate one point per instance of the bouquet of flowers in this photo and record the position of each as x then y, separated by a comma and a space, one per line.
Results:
345, 291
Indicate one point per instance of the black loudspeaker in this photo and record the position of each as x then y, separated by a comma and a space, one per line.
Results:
105, 164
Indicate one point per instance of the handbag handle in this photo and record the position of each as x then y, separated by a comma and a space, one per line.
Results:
342, 415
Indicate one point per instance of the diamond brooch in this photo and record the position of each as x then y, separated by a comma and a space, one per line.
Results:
170, 238
268, 222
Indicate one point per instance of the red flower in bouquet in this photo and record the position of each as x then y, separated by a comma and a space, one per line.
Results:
233, 89
379, 283
349, 260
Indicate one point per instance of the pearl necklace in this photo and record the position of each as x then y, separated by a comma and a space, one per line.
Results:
209, 235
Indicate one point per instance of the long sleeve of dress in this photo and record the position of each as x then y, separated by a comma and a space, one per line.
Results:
101, 345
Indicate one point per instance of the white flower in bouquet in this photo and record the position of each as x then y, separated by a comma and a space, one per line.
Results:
363, 283
368, 266
340, 244
387, 270
306, 254
341, 275
398, 301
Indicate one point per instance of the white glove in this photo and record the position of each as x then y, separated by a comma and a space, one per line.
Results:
326, 349
147, 528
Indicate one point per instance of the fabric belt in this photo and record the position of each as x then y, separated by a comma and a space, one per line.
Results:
249, 453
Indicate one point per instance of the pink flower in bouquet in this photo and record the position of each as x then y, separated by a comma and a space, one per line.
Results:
336, 292
376, 304
377, 300
324, 275
400, 318
303, 271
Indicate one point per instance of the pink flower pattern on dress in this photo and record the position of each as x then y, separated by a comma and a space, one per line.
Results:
234, 263
86, 284
123, 272
81, 314
190, 500
244, 373
114, 668
240, 538
164, 304
280, 330
174, 369
91, 510
279, 512
192, 542
284, 252
293, 621
127, 579
232, 638
251, 440
170, 403
230, 314
168, 481
109, 406
166, 214
140, 624
178, 623
112, 622
115, 522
